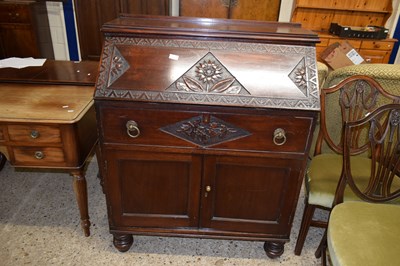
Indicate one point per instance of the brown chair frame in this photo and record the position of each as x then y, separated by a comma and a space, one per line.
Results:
383, 144
358, 95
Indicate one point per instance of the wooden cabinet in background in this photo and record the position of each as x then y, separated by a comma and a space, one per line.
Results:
24, 30
92, 14
317, 15
267, 10
373, 51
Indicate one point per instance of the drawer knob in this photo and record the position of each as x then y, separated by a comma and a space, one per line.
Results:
34, 134
39, 155
132, 129
279, 136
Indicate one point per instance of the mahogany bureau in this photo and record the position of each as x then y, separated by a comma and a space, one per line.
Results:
204, 127
47, 120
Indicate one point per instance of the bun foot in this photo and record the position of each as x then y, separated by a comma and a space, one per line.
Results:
274, 249
122, 242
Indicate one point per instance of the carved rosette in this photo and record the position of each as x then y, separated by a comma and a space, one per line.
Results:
208, 75
205, 130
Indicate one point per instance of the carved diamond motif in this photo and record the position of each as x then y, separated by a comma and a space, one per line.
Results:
205, 130
299, 76
118, 66
208, 75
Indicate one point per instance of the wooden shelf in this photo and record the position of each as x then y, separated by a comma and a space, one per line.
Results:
346, 9
317, 15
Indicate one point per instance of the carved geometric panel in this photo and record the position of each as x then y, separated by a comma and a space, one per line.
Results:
205, 130
299, 76
118, 66
208, 75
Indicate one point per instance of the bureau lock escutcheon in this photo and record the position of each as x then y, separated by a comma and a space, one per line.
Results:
132, 129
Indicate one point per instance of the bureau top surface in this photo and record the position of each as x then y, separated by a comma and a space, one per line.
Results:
210, 27
44, 103
208, 62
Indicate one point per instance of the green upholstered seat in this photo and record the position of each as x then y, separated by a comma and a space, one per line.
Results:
323, 175
363, 234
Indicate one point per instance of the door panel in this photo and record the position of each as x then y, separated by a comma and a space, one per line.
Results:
249, 194
153, 189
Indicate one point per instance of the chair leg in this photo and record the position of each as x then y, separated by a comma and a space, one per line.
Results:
305, 225
321, 250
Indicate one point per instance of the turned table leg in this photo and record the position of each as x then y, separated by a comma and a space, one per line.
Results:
80, 189
2, 160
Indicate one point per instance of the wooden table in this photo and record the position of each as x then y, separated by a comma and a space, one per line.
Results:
47, 120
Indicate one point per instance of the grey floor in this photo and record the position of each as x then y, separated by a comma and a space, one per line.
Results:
39, 225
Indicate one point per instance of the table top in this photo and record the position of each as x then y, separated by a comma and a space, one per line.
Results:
44, 103
57, 92
54, 72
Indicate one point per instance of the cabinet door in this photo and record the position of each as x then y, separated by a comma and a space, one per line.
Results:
151, 189
150, 7
92, 14
249, 194
204, 8
18, 40
267, 10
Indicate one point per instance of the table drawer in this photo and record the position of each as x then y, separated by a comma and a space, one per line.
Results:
38, 156
34, 134
206, 128
2, 133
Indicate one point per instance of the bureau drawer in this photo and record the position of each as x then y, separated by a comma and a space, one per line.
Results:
28, 156
34, 134
231, 129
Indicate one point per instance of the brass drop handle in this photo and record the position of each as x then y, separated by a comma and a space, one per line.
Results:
35, 134
132, 129
39, 155
208, 189
279, 136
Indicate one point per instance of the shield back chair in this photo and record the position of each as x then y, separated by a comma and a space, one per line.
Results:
366, 231
349, 100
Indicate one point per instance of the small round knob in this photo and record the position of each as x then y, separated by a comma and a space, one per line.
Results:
132, 129
39, 155
279, 136
208, 188
34, 134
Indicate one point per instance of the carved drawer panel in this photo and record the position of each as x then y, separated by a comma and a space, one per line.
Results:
34, 134
38, 156
202, 127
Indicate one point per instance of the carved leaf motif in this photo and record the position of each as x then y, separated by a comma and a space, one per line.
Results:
222, 85
234, 90
192, 84
181, 86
